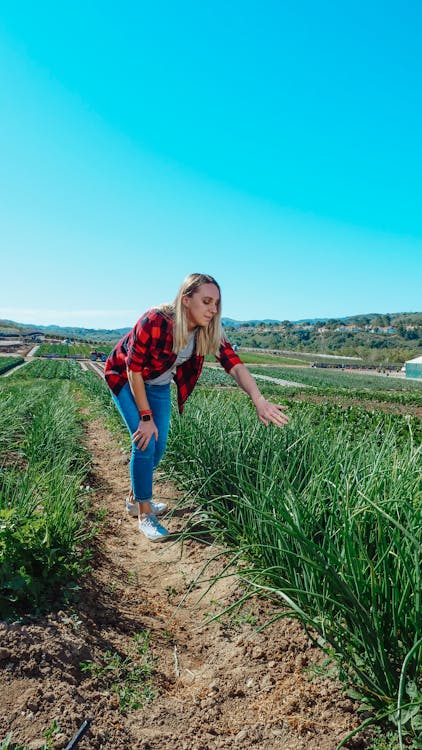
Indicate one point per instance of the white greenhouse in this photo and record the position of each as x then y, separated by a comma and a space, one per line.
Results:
414, 368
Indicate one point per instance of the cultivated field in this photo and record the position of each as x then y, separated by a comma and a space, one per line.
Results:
8, 363
319, 522
70, 350
344, 379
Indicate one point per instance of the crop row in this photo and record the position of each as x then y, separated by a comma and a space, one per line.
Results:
8, 363
340, 379
43, 465
47, 370
326, 515
284, 393
68, 350
215, 376
42, 471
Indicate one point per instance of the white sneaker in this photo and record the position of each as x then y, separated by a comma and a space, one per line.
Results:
157, 508
152, 528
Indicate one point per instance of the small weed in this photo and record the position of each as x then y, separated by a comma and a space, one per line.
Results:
49, 735
129, 676
240, 616
100, 514
244, 618
327, 668
382, 741
133, 577
170, 591
7, 743
72, 620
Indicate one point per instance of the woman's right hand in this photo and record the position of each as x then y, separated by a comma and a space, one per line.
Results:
144, 433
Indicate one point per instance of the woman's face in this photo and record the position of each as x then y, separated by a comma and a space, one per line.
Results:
201, 306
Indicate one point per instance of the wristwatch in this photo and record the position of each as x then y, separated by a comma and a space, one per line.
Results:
146, 417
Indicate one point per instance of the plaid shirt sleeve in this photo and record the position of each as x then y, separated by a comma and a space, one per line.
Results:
147, 348
227, 357
139, 344
151, 336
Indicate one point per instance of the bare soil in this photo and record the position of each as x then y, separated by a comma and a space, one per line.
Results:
216, 685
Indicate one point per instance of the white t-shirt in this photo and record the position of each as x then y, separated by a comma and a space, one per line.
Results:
182, 356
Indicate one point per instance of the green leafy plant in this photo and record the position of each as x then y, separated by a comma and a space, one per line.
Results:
129, 676
7, 744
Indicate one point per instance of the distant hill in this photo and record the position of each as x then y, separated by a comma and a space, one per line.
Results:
410, 318
385, 338
65, 332
101, 334
336, 341
237, 323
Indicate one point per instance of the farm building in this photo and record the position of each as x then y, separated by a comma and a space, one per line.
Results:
414, 368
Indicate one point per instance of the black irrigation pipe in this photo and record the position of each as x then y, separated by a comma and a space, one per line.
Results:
81, 731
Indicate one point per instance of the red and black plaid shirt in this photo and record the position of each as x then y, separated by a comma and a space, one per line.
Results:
148, 349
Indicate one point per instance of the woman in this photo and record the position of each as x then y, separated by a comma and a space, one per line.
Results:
169, 343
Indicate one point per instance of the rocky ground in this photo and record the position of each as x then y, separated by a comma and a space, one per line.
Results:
200, 686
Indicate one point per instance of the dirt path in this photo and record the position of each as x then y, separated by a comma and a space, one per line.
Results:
280, 381
222, 685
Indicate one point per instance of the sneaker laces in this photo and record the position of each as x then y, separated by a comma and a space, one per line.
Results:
150, 520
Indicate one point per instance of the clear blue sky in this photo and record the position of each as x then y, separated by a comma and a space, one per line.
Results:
276, 145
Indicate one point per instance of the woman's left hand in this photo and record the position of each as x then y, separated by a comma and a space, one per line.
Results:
269, 412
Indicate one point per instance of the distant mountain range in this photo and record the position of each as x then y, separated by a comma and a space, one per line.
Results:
11, 327
350, 319
106, 334
237, 323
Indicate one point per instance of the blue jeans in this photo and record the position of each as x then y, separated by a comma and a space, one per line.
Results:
143, 463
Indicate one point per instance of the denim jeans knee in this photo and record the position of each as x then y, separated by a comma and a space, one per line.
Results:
143, 462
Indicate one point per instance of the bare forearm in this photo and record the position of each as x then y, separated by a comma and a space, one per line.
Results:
137, 386
246, 382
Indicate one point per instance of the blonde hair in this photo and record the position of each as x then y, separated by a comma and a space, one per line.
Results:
208, 339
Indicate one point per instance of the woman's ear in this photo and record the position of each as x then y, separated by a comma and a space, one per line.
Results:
185, 300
